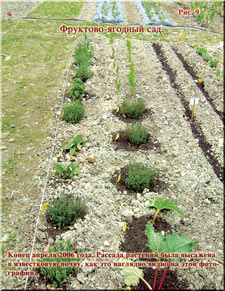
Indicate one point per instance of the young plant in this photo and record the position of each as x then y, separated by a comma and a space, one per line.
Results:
202, 51
206, 56
131, 79
161, 204
140, 177
129, 49
64, 211
73, 113
58, 275
137, 133
74, 144
133, 109
77, 90
66, 172
213, 63
83, 71
117, 82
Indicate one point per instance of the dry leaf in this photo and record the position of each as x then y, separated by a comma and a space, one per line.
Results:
117, 110
29, 205
59, 155
90, 160
79, 147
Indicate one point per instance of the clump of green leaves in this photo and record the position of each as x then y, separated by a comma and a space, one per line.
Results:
74, 144
65, 211
202, 51
58, 275
205, 11
83, 71
133, 108
129, 49
78, 89
137, 133
206, 56
83, 55
131, 79
213, 63
140, 177
66, 172
161, 204
73, 113
83, 51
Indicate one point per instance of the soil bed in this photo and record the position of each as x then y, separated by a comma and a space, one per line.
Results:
127, 119
157, 186
124, 143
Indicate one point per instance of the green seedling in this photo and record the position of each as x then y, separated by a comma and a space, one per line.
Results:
58, 275
66, 172
134, 108
161, 204
73, 113
65, 211
213, 63
140, 177
137, 133
201, 51
131, 79
74, 145
77, 90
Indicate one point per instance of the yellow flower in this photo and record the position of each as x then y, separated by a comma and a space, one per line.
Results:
128, 39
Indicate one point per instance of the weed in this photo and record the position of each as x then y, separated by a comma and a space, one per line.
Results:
65, 211
77, 89
133, 109
66, 172
137, 133
10, 165
59, 274
140, 177
73, 113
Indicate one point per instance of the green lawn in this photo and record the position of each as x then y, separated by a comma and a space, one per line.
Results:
54, 10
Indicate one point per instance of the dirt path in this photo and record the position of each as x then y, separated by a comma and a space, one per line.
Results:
88, 11
131, 14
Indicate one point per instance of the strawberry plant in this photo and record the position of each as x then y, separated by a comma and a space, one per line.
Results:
161, 204
66, 172
137, 133
65, 211
140, 177
73, 113
58, 275
77, 89
74, 144
134, 108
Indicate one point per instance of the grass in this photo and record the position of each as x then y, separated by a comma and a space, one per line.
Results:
54, 10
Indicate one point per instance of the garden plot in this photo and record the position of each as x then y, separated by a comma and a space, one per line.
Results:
197, 192
213, 84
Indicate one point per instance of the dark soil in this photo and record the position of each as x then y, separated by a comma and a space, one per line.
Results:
157, 185
171, 281
191, 72
195, 127
124, 143
135, 238
135, 241
127, 119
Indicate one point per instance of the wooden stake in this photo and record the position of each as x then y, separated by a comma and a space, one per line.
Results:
203, 74
193, 109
